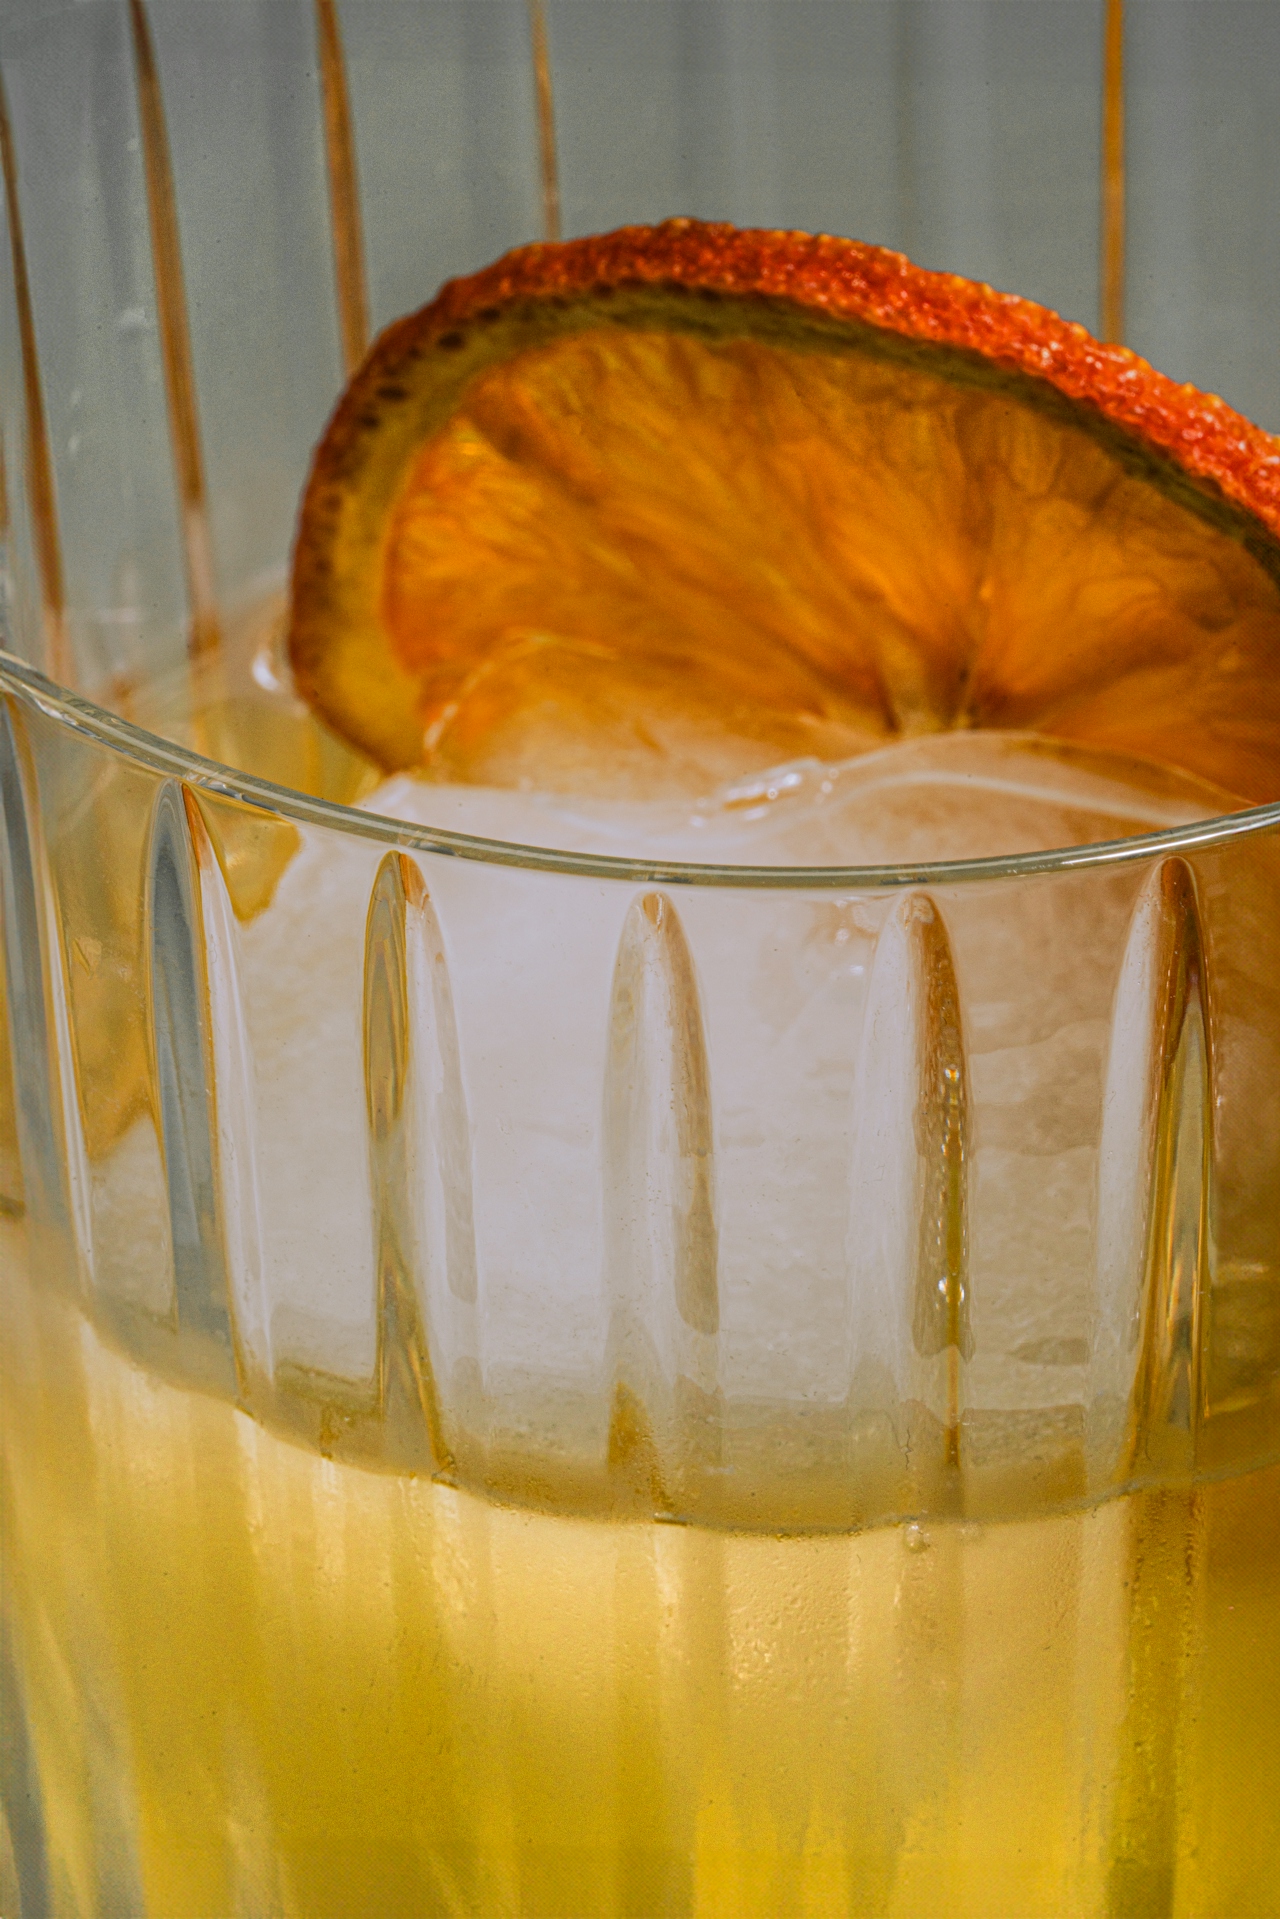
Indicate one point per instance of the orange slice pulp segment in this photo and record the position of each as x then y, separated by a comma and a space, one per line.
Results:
645, 513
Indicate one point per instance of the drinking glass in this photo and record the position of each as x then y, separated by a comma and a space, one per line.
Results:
542, 1380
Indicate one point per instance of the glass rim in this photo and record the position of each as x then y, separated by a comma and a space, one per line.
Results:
167, 758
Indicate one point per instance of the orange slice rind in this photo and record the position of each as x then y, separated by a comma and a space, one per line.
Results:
654, 509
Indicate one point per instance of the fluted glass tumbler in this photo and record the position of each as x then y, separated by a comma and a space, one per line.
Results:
541, 1378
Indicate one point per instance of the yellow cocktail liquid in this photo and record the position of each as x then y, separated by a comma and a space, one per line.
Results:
252, 1681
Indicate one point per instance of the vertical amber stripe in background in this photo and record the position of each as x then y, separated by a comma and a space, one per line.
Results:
1111, 318
175, 345
546, 121
344, 190
44, 507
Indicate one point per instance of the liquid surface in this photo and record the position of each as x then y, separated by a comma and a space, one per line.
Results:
255, 1682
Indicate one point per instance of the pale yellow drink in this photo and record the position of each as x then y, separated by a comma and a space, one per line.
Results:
329, 1690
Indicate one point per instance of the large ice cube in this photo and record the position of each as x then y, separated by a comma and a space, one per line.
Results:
780, 978
943, 796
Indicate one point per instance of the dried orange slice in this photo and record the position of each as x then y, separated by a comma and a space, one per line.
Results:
685, 500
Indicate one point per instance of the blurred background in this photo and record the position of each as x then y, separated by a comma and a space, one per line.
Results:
965, 132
